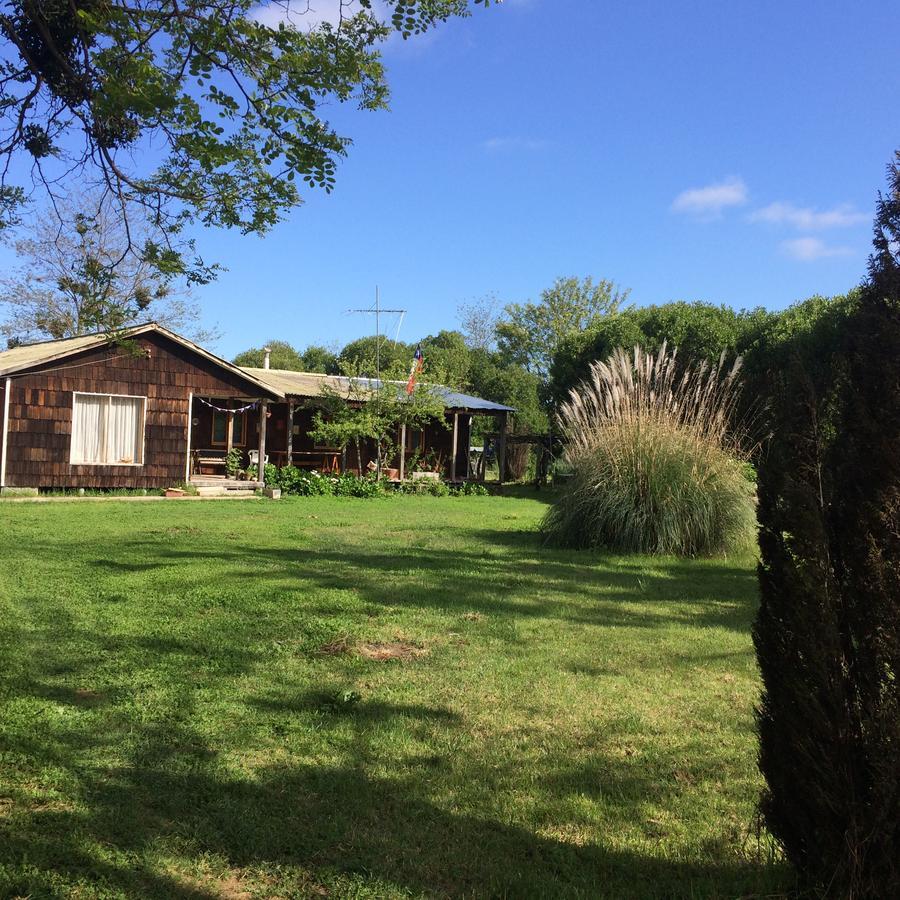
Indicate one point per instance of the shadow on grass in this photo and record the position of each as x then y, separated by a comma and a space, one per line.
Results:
143, 794
291, 829
523, 580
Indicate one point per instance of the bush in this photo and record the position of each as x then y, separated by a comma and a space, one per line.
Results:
304, 483
471, 489
827, 635
356, 486
425, 486
654, 466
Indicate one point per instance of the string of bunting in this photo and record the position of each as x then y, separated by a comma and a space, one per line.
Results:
241, 409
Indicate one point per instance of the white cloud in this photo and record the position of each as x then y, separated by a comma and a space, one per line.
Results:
807, 219
307, 14
810, 249
499, 144
708, 202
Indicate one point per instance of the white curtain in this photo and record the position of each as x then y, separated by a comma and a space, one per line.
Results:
107, 430
87, 428
123, 430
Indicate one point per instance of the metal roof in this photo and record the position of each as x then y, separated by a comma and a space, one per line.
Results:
29, 356
310, 384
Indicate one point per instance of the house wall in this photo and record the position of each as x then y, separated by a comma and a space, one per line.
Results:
3, 437
40, 421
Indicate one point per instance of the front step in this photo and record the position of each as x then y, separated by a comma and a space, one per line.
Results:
225, 487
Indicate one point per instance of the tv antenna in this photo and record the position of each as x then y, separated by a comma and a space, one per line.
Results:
378, 311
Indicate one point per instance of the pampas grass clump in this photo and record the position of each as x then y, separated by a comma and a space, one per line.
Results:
656, 465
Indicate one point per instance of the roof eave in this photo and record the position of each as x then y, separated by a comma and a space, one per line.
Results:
138, 330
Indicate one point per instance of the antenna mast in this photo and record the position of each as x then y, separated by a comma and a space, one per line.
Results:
377, 310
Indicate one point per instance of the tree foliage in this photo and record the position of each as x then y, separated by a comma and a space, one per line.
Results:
367, 411
206, 111
76, 277
478, 321
828, 631
368, 356
321, 360
700, 331
282, 355
529, 334
447, 359
493, 378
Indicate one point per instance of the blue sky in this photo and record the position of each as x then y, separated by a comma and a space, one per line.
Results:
728, 152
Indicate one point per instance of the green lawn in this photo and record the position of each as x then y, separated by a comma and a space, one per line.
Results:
189, 706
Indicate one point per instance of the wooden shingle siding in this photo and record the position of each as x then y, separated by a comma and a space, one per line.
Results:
40, 413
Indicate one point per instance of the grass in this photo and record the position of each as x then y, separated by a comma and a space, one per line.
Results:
200, 700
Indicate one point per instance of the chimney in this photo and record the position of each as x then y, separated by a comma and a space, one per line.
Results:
267, 358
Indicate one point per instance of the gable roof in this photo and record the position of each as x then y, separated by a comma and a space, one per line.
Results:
29, 356
311, 384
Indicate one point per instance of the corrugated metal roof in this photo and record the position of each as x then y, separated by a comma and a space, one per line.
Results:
309, 384
29, 356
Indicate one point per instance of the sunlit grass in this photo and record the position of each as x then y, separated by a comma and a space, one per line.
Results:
187, 708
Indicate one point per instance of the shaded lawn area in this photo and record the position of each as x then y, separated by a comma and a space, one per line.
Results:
188, 707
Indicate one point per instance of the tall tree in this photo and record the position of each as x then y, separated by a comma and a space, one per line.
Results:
320, 359
77, 277
529, 334
478, 321
282, 356
828, 631
367, 356
446, 359
209, 111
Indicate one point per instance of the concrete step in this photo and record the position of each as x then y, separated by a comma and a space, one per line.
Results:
237, 489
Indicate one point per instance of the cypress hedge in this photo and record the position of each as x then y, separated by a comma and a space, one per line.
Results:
828, 631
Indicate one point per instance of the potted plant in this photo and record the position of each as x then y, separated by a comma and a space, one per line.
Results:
233, 460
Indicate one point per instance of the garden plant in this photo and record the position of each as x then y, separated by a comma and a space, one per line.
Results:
657, 464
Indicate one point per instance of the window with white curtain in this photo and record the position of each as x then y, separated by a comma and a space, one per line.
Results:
108, 430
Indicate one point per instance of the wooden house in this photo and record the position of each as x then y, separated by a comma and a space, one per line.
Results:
152, 409
443, 445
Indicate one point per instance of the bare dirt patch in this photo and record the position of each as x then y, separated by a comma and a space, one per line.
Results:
384, 650
338, 646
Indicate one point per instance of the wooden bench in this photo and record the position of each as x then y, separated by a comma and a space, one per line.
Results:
204, 458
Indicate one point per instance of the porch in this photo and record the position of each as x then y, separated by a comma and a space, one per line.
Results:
226, 441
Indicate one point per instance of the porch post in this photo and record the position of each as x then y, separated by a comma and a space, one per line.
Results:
290, 433
455, 446
229, 427
501, 449
187, 464
482, 473
402, 451
468, 447
261, 473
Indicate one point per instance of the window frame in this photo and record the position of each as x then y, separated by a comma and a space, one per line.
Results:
242, 416
131, 465
410, 449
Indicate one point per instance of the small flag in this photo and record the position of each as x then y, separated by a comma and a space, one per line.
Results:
415, 371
